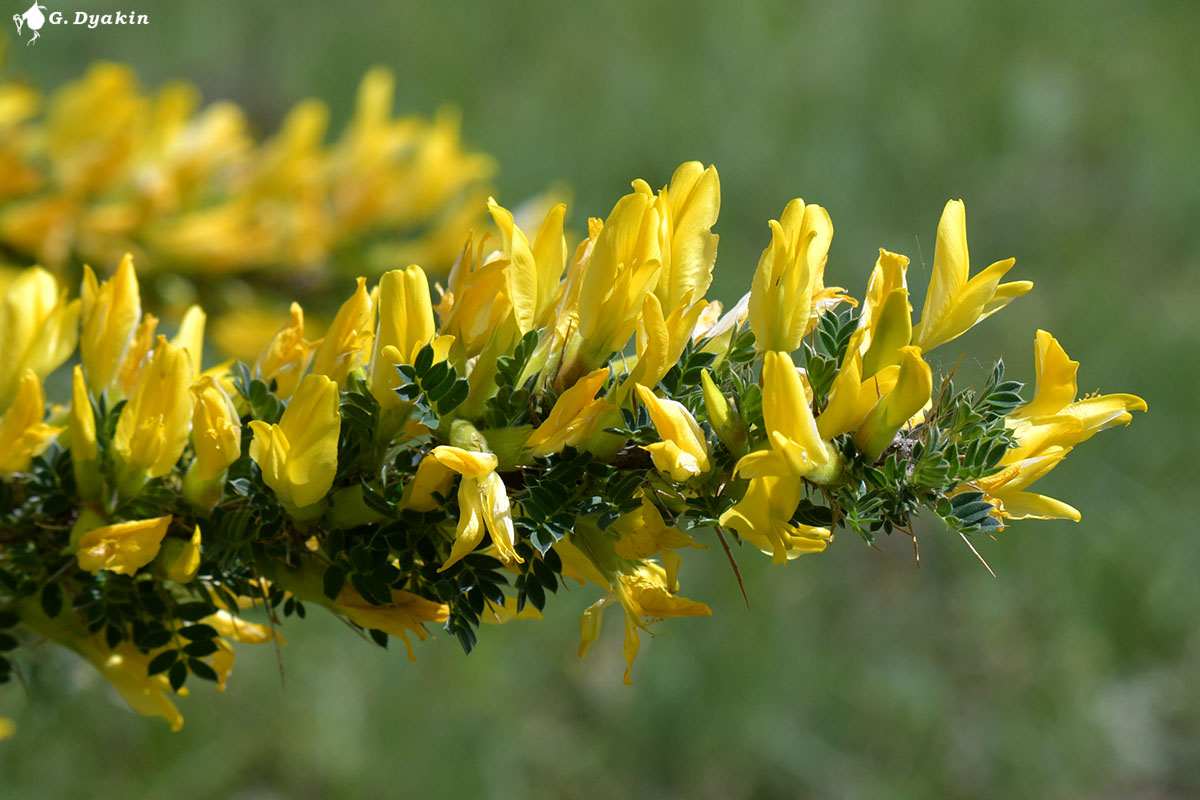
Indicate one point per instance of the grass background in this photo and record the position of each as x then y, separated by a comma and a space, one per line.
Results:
1070, 131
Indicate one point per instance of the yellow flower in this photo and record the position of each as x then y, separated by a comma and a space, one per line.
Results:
152, 430
405, 324
1054, 399
111, 311
954, 304
287, 355
38, 329
405, 613
8, 728
763, 517
123, 547
298, 456
572, 418
432, 478
137, 355
797, 448
644, 595
914, 385
482, 501
183, 557
1006, 489
84, 451
844, 410
725, 423
348, 338
533, 271
788, 293
689, 206
125, 667
886, 318
1046, 429
623, 266
190, 337
683, 452
23, 434
216, 428
644, 534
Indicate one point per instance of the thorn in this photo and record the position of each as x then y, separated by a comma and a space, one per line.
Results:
737, 573
976, 552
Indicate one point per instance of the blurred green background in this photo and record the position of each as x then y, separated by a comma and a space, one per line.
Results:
1070, 130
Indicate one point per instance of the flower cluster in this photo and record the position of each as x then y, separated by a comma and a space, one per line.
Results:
100, 168
557, 415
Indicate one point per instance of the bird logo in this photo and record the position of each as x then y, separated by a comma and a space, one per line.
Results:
34, 19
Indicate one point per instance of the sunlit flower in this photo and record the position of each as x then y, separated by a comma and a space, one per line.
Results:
298, 456
482, 501
123, 547
348, 340
953, 303
683, 451
23, 434
153, 428
572, 418
38, 329
788, 292
110, 313
287, 355
763, 517
406, 613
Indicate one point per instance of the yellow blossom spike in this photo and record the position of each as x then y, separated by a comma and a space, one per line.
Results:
521, 277
23, 434
683, 452
914, 385
482, 502
725, 423
789, 281
38, 328
763, 518
85, 453
406, 613
797, 447
182, 557
287, 355
348, 338
127, 669
842, 413
1056, 387
953, 304
644, 593
110, 313
298, 456
891, 330
623, 267
889, 274
216, 428
137, 355
432, 478
689, 205
123, 547
152, 430
406, 324
644, 534
572, 418
190, 337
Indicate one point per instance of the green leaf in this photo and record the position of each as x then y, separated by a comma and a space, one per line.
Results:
198, 632
177, 675
333, 581
200, 669
52, 600
162, 662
